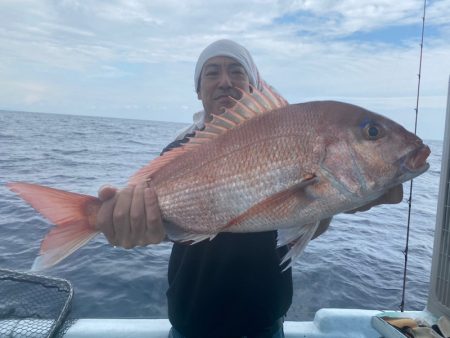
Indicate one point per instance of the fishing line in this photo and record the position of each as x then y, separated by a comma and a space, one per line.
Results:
405, 252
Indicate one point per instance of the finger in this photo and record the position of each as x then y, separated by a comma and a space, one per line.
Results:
155, 230
105, 220
106, 192
137, 215
121, 217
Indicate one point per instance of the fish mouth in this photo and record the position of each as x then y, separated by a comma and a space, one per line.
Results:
415, 162
417, 158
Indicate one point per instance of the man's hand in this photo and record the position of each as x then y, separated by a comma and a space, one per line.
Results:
392, 196
130, 217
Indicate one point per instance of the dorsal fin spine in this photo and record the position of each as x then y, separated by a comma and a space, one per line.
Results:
233, 115
274, 96
251, 102
271, 97
224, 119
263, 100
244, 111
248, 107
204, 134
214, 127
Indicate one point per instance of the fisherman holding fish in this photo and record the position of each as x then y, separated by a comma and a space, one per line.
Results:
240, 193
232, 285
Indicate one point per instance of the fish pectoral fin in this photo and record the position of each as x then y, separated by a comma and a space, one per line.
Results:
297, 239
177, 234
277, 207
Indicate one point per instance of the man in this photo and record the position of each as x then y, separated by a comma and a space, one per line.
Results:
233, 285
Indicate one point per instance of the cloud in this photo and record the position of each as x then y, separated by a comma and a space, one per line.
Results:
27, 93
35, 93
104, 56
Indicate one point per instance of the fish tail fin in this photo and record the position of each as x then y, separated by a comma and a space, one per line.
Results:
74, 216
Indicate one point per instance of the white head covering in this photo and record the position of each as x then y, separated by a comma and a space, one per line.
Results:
233, 50
221, 48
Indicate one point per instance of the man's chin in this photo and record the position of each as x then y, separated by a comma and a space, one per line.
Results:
222, 110
224, 104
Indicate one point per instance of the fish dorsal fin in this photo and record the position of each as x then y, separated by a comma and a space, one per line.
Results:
246, 108
147, 171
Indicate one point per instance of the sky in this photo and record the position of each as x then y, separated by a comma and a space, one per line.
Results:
135, 59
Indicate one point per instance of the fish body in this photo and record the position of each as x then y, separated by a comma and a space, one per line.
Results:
318, 154
262, 165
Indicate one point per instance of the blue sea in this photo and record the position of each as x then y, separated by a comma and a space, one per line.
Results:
357, 263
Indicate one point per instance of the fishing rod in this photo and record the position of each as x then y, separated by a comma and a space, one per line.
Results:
405, 252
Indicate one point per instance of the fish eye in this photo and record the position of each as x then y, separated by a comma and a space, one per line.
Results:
373, 131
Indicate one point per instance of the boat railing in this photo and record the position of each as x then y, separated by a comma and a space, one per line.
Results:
439, 293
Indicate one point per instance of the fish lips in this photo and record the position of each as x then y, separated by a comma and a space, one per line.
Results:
414, 163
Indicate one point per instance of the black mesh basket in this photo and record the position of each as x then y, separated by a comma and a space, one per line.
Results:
32, 306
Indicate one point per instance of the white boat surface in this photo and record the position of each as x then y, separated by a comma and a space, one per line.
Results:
328, 323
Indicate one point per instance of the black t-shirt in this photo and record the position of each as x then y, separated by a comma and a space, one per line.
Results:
232, 285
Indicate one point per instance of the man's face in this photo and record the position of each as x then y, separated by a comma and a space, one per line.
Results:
219, 79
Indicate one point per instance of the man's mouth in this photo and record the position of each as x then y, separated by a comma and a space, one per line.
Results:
225, 101
223, 96
231, 94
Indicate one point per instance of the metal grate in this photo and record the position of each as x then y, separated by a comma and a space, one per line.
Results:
31, 305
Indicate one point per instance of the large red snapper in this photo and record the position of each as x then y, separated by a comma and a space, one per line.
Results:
260, 166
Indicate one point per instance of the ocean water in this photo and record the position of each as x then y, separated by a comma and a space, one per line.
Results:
357, 263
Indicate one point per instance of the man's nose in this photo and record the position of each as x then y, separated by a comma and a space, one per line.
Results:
225, 80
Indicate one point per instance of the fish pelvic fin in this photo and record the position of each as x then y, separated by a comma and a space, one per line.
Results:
297, 239
74, 216
247, 107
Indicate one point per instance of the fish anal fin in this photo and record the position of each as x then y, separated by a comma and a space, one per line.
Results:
177, 234
277, 207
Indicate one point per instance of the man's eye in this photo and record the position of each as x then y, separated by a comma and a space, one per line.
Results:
237, 72
211, 73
